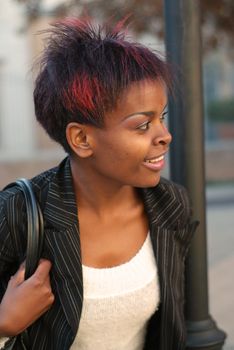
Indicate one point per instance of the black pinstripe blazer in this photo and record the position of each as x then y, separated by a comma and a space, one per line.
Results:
168, 212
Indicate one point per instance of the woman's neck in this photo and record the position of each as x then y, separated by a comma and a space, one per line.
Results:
101, 194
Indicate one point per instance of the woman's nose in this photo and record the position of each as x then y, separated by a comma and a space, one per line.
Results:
163, 137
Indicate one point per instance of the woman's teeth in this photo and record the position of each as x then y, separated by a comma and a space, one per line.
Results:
155, 160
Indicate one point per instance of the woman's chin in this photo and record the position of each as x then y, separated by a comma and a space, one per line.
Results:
150, 182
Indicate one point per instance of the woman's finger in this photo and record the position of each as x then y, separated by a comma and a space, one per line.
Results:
18, 277
43, 269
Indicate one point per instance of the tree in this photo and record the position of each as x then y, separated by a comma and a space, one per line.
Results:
147, 16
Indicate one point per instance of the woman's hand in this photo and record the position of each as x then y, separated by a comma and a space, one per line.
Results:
25, 301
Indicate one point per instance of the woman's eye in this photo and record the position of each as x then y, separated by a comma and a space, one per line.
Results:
163, 116
144, 126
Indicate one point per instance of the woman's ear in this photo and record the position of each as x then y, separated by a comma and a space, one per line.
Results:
78, 139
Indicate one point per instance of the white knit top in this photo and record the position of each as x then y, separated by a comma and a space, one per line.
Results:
118, 302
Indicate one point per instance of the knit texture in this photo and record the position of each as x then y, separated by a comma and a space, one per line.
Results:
118, 302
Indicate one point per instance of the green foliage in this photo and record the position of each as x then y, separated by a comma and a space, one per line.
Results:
221, 110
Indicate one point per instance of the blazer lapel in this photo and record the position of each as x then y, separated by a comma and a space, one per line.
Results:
62, 240
163, 206
170, 235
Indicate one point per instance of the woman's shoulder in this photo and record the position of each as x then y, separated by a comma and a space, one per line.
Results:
169, 184
11, 195
173, 201
175, 189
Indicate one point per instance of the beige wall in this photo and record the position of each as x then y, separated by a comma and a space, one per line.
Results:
25, 149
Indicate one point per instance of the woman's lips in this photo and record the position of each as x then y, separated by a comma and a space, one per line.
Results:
155, 163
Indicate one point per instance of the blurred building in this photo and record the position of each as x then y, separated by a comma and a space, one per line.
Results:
25, 149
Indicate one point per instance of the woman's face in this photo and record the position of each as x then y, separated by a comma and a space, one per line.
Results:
130, 149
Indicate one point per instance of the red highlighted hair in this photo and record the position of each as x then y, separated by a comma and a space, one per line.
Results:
84, 69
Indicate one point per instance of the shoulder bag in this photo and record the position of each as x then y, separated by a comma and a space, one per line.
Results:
35, 236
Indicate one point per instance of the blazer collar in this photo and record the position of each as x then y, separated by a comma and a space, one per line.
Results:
63, 240
162, 206
60, 209
161, 203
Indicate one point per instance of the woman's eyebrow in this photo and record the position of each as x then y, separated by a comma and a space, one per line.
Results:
147, 113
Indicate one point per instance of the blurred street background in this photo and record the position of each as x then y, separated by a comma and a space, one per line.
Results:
25, 150
220, 224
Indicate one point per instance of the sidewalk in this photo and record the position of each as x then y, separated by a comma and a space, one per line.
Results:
220, 236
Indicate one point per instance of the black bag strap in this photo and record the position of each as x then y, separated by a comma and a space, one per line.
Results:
35, 226
35, 237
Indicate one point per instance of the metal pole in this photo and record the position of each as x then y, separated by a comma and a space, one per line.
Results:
183, 42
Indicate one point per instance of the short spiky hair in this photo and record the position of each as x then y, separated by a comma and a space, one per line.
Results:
84, 70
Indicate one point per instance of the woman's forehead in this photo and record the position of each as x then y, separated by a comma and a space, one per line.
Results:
142, 89
139, 96
143, 93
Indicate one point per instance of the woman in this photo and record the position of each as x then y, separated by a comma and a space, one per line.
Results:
116, 235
